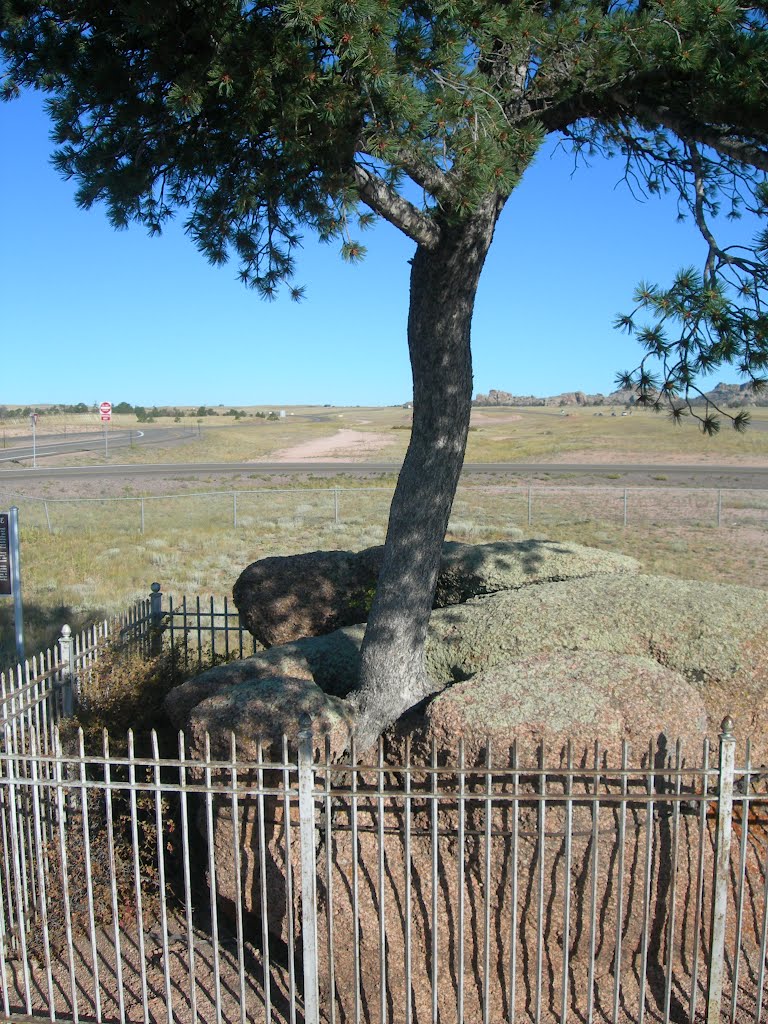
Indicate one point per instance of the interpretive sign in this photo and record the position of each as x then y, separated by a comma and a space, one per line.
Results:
6, 588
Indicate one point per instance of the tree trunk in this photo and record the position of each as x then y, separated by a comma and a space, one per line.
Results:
444, 283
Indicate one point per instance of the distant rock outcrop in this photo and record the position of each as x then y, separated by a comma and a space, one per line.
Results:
732, 395
565, 399
724, 395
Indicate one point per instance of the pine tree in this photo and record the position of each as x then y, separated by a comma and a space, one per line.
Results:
261, 119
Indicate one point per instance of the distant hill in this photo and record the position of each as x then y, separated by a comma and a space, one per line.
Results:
728, 395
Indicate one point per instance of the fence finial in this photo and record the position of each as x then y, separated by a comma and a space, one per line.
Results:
67, 672
726, 727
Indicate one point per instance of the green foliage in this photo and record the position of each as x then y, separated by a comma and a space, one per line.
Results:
361, 600
7, 412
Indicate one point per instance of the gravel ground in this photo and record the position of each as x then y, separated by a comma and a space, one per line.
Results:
175, 984
208, 970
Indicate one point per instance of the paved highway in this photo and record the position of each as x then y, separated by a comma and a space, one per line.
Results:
58, 444
743, 476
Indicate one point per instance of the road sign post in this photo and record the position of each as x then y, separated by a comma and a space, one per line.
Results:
5, 555
33, 421
105, 411
10, 572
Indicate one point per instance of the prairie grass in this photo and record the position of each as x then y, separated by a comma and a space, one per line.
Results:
221, 438
96, 562
497, 435
643, 436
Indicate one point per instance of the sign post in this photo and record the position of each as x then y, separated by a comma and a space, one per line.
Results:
5, 555
33, 421
105, 411
10, 572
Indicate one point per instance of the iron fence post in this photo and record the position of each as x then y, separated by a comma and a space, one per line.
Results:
336, 505
719, 506
625, 506
68, 680
155, 619
308, 870
18, 606
530, 505
722, 866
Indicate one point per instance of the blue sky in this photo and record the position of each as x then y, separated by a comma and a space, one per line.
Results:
90, 314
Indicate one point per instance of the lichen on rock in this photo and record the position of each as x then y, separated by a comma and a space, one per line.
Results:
561, 698
281, 599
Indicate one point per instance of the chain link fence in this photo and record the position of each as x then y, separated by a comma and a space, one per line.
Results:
534, 505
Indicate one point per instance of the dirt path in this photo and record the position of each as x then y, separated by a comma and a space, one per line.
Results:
344, 446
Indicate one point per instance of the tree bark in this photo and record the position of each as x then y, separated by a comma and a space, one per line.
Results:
444, 281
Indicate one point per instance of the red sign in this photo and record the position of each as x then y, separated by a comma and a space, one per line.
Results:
106, 411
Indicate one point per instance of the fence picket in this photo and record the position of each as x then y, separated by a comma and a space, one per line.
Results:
722, 871
391, 828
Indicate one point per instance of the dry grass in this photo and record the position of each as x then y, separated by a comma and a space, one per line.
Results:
96, 562
589, 434
221, 438
497, 435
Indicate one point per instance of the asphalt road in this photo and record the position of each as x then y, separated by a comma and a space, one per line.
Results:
58, 444
703, 475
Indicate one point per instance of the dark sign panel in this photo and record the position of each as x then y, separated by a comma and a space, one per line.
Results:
5, 556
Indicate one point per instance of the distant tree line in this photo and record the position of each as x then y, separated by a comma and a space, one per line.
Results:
7, 412
142, 413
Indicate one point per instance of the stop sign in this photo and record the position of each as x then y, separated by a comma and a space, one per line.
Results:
106, 411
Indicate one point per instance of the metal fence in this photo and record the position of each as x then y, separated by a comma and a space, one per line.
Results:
532, 505
215, 880
198, 632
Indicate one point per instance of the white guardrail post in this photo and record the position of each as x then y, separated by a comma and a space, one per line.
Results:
722, 870
308, 870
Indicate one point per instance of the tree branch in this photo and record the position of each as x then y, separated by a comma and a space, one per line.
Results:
719, 139
426, 175
383, 200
